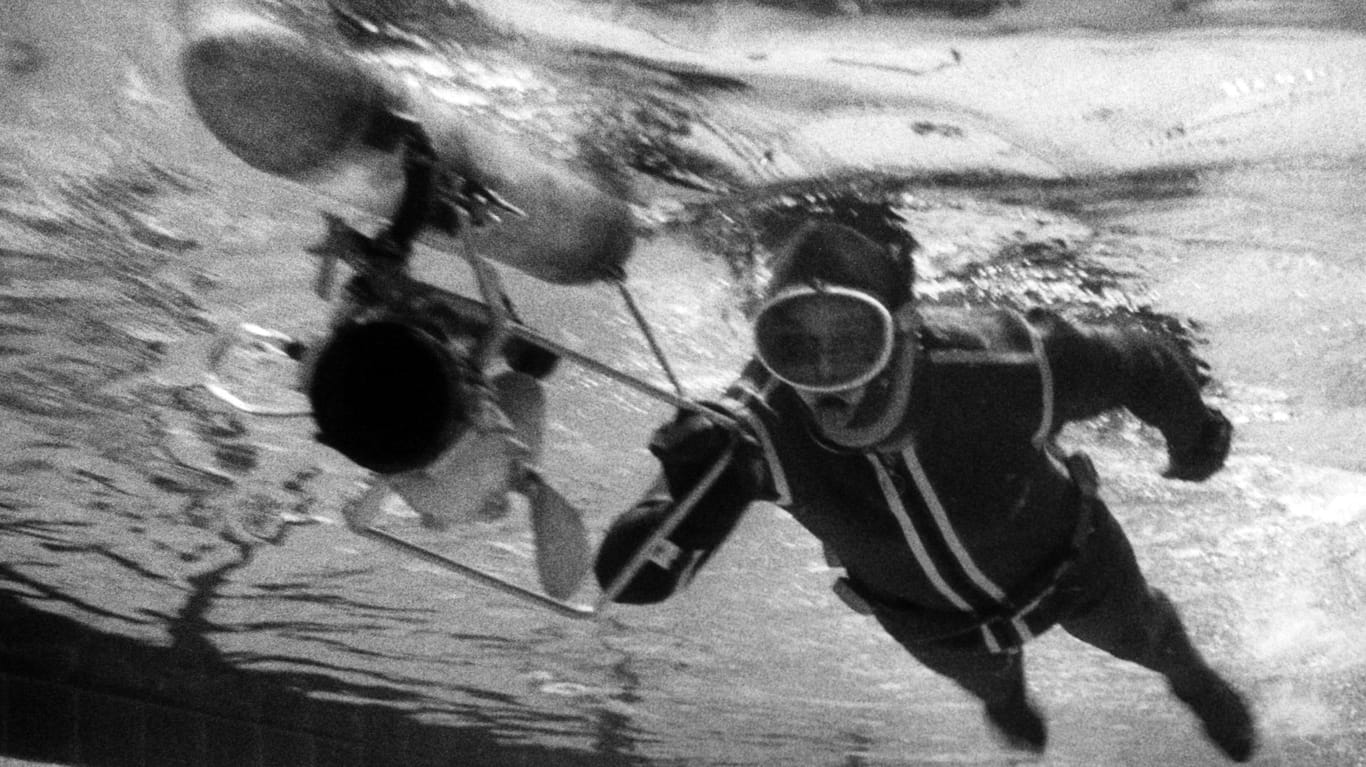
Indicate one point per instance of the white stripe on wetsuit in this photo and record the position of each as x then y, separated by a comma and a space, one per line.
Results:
908, 531
940, 517
1046, 381
960, 552
740, 407
941, 521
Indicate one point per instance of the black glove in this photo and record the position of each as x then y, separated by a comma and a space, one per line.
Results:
628, 533
687, 447
1205, 455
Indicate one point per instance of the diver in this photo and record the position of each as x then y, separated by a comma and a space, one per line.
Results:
917, 444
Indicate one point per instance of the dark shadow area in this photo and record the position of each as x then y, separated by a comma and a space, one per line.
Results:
75, 695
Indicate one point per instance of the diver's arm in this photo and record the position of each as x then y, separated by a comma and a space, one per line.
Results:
687, 448
1098, 368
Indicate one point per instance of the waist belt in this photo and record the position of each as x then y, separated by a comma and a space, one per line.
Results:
1010, 623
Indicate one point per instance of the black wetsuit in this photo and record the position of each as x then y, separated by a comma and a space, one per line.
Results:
1009, 539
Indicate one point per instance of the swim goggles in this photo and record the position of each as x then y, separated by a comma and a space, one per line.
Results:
824, 338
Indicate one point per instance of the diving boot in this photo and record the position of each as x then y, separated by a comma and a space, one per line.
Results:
1225, 715
1019, 724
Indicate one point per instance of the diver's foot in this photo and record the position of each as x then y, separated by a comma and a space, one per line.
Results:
1225, 715
1019, 724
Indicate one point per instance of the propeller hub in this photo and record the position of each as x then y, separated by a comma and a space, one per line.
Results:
389, 395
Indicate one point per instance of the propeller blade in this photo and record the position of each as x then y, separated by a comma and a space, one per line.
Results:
562, 551
362, 512
522, 398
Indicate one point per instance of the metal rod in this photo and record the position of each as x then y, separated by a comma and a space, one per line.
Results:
488, 579
645, 387
649, 336
670, 523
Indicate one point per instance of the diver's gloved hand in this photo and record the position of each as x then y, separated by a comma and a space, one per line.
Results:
1205, 455
687, 447
628, 533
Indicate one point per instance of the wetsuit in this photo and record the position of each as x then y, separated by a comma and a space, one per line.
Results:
978, 534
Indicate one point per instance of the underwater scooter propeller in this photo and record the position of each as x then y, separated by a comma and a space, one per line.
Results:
401, 388
401, 383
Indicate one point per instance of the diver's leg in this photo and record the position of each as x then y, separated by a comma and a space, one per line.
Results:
1129, 619
997, 679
